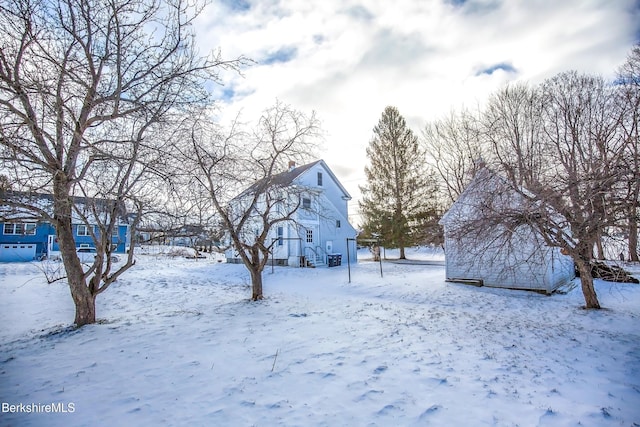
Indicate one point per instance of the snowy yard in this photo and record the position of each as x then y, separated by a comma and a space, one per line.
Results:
180, 344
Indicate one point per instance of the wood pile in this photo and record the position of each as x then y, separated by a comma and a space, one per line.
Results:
611, 273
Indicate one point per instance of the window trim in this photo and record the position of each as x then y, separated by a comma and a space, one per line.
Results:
30, 228
280, 234
19, 228
86, 230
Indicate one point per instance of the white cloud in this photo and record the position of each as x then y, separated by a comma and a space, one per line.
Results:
348, 60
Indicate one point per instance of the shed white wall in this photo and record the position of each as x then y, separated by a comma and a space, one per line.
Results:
523, 262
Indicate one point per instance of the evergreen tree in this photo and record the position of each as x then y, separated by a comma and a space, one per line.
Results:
397, 199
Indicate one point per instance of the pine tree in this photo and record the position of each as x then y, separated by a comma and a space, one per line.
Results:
397, 199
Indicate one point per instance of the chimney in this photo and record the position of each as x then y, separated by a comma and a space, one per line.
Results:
292, 165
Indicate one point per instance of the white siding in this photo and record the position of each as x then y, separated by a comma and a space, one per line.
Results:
328, 209
519, 259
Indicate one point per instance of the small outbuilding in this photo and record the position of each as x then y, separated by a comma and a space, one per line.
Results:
483, 249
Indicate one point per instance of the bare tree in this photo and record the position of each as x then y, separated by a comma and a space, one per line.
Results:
566, 173
244, 174
629, 102
453, 146
85, 88
512, 127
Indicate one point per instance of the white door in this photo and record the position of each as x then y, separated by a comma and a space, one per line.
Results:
313, 251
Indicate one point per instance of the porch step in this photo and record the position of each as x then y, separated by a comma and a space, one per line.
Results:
311, 264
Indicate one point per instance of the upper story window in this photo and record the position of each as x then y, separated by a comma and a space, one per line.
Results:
338, 223
280, 235
28, 229
306, 203
83, 230
319, 179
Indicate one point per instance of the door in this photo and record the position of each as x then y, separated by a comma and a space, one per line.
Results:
312, 249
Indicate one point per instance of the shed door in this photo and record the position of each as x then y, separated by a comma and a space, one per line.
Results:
15, 252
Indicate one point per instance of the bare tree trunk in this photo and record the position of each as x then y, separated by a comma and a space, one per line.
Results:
85, 306
599, 248
586, 280
633, 235
256, 284
402, 256
84, 300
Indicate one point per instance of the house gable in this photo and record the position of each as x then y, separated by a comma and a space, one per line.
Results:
318, 176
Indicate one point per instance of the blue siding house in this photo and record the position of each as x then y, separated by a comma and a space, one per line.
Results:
24, 238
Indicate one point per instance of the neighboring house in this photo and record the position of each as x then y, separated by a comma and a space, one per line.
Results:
319, 229
26, 237
482, 250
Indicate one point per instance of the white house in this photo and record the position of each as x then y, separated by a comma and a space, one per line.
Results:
319, 231
483, 250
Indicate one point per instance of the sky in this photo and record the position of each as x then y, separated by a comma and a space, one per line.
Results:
348, 60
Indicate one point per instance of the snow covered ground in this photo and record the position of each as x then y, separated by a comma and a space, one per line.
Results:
180, 344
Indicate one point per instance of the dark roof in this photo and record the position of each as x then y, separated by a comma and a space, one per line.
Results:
282, 179
20, 204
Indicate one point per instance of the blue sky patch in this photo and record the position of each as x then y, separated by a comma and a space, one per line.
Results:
237, 5
360, 13
228, 93
472, 7
284, 54
504, 66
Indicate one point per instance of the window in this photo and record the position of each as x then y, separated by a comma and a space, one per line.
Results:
309, 236
280, 234
306, 203
337, 223
12, 228
28, 229
82, 230
319, 179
